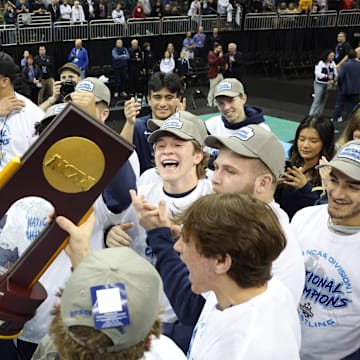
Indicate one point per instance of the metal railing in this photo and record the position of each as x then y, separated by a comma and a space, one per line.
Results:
323, 19
33, 28
39, 28
261, 21
100, 29
8, 35
70, 31
348, 18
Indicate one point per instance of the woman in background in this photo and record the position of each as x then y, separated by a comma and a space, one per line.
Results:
325, 76
300, 184
31, 76
352, 129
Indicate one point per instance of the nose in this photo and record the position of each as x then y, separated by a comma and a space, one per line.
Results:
162, 102
216, 178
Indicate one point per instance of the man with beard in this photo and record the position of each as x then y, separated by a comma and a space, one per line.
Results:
328, 234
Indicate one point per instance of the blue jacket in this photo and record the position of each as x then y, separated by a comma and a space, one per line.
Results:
82, 60
120, 57
254, 116
349, 77
175, 276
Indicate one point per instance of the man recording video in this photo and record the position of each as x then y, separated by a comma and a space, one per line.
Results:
69, 76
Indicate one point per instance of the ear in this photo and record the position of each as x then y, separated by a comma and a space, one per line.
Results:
263, 183
104, 115
244, 98
198, 156
223, 264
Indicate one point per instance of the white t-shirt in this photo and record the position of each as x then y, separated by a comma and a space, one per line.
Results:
263, 328
17, 131
289, 266
25, 220
153, 193
330, 305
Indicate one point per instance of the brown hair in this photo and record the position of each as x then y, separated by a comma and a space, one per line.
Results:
237, 225
353, 124
93, 341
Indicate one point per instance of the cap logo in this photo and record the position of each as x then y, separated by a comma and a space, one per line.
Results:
85, 85
244, 133
351, 152
59, 108
224, 86
172, 123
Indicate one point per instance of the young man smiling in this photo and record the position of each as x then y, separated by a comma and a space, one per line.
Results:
329, 237
164, 100
181, 163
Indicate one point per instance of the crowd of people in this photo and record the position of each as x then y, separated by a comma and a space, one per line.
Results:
119, 11
210, 241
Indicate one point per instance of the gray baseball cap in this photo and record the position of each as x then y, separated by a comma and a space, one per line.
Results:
183, 124
96, 87
347, 160
253, 142
229, 87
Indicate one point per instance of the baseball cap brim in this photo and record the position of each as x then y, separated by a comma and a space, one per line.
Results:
346, 167
232, 144
157, 133
227, 93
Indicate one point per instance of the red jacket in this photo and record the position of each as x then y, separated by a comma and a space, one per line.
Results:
138, 11
215, 62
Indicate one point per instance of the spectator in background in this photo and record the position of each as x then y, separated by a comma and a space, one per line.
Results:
183, 68
171, 49
100, 9
54, 9
188, 45
304, 6
347, 4
120, 57
78, 55
39, 8
216, 63
22, 7
195, 8
342, 49
300, 185
136, 67
213, 38
157, 9
199, 40
118, 14
89, 9
24, 58
31, 76
149, 65
147, 7
349, 85
233, 62
47, 68
325, 73
174, 11
352, 129
292, 8
167, 11
138, 11
65, 11
167, 63
77, 12
9, 13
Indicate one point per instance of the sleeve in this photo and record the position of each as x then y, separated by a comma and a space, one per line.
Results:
116, 195
175, 276
318, 71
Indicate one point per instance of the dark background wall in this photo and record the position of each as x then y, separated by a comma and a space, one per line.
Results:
248, 41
